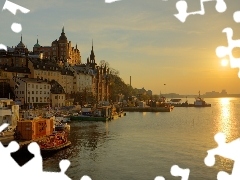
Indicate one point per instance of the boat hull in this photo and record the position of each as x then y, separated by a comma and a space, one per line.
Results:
56, 148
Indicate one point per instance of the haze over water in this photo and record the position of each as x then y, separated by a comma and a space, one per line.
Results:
145, 145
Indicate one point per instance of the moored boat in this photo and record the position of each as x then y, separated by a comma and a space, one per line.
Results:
199, 102
54, 142
93, 114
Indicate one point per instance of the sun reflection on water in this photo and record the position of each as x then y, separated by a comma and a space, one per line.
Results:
225, 121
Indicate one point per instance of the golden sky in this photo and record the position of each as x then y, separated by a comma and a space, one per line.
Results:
142, 39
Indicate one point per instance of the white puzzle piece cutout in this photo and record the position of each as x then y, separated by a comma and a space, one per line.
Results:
177, 171
222, 51
12, 7
111, 1
86, 178
32, 169
2, 46
236, 16
227, 150
182, 9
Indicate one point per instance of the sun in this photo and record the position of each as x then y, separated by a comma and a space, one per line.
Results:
224, 62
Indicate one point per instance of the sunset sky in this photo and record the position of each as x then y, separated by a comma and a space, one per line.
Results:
139, 38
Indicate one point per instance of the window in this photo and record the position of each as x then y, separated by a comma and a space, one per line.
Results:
36, 92
55, 97
32, 92
32, 85
22, 92
36, 86
40, 92
36, 99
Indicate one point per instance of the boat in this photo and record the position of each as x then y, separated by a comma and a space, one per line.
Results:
93, 114
175, 102
54, 142
55, 148
199, 102
60, 126
63, 118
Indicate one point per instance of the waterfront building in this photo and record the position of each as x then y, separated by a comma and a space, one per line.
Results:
32, 91
58, 97
62, 50
83, 76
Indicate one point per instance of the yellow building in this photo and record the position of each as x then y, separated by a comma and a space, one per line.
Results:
48, 70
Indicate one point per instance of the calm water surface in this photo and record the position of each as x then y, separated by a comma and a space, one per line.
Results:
142, 146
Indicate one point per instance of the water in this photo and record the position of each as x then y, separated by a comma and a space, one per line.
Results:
142, 146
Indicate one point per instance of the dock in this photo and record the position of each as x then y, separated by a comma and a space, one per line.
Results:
148, 109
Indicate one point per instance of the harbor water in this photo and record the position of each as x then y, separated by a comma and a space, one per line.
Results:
143, 145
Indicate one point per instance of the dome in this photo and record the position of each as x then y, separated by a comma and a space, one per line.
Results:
37, 45
21, 45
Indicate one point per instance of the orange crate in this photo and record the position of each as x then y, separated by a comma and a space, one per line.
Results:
40, 127
49, 128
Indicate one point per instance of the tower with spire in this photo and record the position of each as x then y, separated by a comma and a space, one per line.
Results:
91, 61
21, 48
62, 50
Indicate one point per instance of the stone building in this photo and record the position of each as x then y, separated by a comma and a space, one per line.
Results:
63, 51
44, 50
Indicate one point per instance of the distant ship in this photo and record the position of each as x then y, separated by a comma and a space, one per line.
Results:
199, 102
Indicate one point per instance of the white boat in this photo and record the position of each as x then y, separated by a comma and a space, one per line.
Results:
59, 126
199, 102
63, 118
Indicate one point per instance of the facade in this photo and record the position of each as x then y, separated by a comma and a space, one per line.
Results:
47, 69
30, 74
62, 50
58, 96
83, 77
33, 92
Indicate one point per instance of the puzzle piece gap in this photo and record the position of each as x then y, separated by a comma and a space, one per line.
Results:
17, 28
12, 7
182, 6
236, 16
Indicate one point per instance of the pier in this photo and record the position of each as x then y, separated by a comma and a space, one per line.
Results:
148, 109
